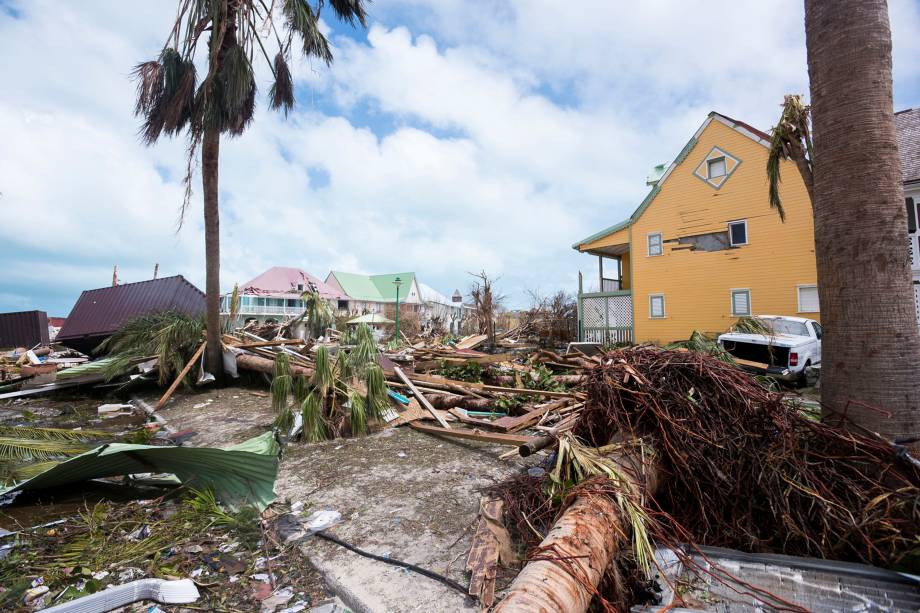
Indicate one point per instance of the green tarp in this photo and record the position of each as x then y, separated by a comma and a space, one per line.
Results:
238, 475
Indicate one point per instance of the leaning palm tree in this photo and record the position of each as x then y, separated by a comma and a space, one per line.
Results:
172, 100
871, 345
791, 140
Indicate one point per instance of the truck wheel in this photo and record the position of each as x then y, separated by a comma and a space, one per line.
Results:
802, 380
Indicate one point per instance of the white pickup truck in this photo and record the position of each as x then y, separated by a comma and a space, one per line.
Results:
790, 345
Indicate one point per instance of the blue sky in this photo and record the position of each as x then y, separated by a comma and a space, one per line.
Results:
451, 136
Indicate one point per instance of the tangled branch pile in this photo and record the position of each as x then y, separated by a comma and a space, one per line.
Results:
741, 467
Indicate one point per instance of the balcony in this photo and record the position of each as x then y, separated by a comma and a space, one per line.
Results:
264, 310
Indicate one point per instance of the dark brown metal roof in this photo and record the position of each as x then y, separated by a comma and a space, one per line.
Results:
23, 329
100, 312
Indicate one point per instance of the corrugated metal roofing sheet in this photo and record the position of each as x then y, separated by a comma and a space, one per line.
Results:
23, 329
100, 312
241, 474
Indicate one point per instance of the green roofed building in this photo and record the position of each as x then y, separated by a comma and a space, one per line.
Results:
371, 293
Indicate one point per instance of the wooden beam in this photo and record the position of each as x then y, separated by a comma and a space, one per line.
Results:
286, 341
172, 388
420, 396
475, 435
513, 424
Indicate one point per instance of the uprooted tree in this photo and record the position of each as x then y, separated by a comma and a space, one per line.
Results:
170, 99
852, 173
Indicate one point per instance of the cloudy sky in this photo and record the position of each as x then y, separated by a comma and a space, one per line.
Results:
450, 136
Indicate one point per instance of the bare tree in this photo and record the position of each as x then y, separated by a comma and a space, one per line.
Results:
486, 303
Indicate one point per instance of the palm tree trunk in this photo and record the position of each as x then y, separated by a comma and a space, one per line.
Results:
871, 347
210, 151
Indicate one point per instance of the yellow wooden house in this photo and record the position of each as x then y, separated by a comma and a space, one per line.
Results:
704, 247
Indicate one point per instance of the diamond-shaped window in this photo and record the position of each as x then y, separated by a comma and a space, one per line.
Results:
716, 167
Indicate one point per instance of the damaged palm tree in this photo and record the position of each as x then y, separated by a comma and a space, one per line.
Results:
171, 99
170, 337
791, 140
342, 397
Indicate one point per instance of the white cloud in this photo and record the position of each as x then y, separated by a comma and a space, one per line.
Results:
454, 139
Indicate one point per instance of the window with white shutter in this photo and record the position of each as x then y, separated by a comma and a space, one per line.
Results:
741, 302
808, 299
656, 306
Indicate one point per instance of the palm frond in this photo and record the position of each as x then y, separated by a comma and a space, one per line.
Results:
323, 376
349, 11
377, 399
237, 91
576, 463
13, 473
365, 352
281, 95
751, 325
21, 449
358, 416
301, 19
314, 425
790, 140
170, 336
51, 434
701, 343
301, 388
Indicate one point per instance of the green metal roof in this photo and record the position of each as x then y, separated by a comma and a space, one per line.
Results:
374, 288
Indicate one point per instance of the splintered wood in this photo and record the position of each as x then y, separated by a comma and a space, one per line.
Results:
491, 545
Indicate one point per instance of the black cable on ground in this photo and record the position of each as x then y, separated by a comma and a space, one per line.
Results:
418, 569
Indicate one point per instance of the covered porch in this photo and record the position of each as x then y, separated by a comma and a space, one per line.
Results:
605, 309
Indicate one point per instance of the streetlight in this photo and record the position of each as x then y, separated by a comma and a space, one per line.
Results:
397, 282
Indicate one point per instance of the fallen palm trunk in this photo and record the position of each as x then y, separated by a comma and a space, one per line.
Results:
508, 380
260, 364
444, 402
575, 555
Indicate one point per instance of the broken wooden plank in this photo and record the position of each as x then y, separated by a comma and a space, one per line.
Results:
471, 342
420, 396
172, 388
475, 435
513, 424
491, 544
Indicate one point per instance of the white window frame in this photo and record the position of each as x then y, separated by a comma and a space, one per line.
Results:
747, 238
709, 164
648, 244
798, 297
664, 311
731, 302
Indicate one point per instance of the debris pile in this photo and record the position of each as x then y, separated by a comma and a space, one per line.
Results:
742, 467
239, 560
736, 465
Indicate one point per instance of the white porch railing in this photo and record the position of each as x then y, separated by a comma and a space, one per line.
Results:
267, 310
605, 317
